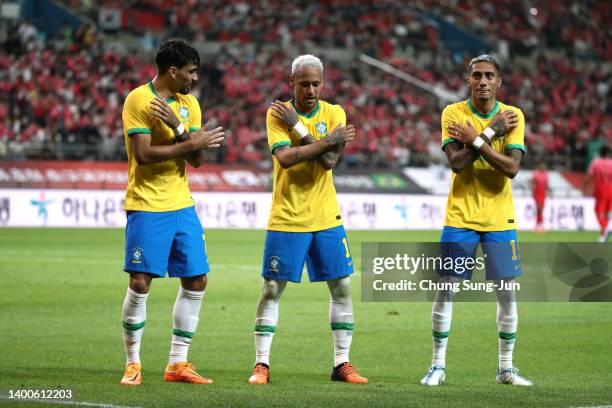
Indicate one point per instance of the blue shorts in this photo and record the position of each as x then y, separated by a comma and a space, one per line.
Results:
327, 255
173, 241
500, 250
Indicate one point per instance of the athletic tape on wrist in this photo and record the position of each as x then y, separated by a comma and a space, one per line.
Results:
179, 130
478, 142
489, 133
300, 129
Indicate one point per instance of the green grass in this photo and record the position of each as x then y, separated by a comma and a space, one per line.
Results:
61, 293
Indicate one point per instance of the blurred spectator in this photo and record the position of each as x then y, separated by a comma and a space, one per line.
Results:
63, 99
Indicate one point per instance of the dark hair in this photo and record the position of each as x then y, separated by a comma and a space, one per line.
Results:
604, 151
484, 58
175, 52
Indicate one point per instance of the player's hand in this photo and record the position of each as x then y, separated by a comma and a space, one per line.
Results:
504, 121
206, 138
284, 113
464, 134
160, 109
340, 135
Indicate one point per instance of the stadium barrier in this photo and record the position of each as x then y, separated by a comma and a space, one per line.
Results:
27, 207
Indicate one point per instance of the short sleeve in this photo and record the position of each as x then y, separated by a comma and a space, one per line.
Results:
135, 118
278, 134
195, 114
516, 138
449, 116
338, 118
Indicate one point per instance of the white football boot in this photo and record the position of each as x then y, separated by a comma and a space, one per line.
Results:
435, 376
511, 376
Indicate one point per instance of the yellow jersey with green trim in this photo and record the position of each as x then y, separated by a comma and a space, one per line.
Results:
159, 186
304, 196
480, 197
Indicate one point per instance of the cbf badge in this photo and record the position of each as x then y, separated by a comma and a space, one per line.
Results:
137, 255
274, 264
183, 112
321, 128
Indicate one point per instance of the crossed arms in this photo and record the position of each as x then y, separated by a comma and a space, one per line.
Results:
461, 155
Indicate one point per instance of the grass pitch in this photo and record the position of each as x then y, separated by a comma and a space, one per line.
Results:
61, 293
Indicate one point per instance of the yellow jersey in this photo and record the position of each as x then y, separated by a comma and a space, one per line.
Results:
480, 197
159, 186
304, 196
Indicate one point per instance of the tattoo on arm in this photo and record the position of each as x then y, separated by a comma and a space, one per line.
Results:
465, 157
497, 126
333, 140
297, 153
183, 137
517, 156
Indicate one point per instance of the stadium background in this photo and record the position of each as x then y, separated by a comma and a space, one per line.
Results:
65, 68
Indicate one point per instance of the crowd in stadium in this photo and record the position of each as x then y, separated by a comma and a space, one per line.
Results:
62, 99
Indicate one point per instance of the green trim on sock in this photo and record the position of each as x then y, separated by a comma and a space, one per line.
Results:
133, 326
183, 333
507, 336
265, 329
439, 335
342, 326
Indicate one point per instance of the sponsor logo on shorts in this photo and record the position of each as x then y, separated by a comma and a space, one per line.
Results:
137, 255
274, 264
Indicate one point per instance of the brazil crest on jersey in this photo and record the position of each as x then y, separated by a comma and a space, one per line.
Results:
480, 197
304, 196
159, 186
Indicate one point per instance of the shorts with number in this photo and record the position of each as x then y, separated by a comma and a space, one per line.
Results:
172, 241
326, 253
500, 251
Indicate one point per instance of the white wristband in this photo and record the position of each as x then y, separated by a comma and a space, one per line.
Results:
179, 130
301, 129
489, 133
478, 142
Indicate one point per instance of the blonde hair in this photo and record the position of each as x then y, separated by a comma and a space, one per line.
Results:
306, 60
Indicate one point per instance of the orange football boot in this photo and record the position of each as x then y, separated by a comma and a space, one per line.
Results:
348, 373
261, 374
132, 375
184, 372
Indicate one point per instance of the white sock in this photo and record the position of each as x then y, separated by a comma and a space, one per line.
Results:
341, 318
185, 316
134, 315
441, 317
507, 322
266, 319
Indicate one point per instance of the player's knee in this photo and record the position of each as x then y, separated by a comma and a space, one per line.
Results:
505, 296
203, 282
340, 289
271, 290
196, 283
140, 283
